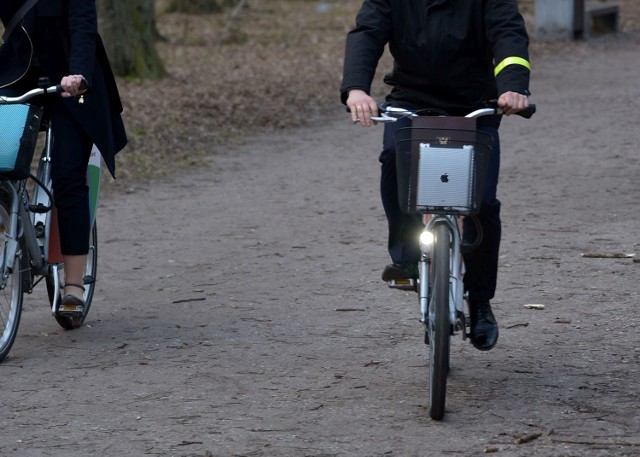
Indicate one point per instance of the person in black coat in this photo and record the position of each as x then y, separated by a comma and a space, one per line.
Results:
451, 56
58, 39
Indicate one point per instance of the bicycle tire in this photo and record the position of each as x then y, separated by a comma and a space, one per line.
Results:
10, 297
439, 327
89, 284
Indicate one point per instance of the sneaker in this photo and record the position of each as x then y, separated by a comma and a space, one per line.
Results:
397, 271
484, 327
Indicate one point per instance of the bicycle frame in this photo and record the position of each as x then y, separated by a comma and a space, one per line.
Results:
32, 226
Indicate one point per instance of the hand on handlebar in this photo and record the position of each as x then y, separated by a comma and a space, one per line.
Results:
73, 85
362, 107
513, 102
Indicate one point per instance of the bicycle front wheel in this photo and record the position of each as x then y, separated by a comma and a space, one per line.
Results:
89, 284
10, 294
439, 327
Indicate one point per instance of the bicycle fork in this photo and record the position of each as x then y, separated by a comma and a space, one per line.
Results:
456, 273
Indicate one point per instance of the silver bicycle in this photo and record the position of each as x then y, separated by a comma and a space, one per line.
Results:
29, 242
440, 170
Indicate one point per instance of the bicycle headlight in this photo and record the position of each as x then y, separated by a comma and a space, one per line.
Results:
426, 240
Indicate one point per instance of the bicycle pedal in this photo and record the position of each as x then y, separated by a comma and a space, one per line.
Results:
402, 284
71, 310
39, 208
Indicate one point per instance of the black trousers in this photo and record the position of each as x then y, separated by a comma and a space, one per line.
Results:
481, 264
69, 159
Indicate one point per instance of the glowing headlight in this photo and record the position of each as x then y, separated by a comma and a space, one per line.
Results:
426, 239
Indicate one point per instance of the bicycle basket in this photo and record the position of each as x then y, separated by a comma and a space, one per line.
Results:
19, 126
441, 171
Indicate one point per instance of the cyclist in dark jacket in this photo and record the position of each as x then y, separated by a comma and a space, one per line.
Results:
449, 55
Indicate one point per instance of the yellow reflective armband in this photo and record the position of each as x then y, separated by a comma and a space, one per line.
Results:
511, 61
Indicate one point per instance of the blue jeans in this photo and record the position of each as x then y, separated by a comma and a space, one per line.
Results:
482, 263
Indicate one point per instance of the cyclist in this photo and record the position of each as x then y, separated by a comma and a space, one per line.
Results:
451, 56
58, 39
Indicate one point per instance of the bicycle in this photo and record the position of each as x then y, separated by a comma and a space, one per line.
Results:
29, 239
440, 170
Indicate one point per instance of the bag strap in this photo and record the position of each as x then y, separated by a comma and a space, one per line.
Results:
24, 9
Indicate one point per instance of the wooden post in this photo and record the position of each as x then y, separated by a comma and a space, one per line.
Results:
578, 19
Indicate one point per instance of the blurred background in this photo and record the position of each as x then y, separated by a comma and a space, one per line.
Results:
196, 75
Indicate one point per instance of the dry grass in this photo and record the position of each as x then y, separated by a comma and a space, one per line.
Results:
279, 65
275, 66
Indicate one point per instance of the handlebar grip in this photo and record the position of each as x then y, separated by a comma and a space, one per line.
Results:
528, 112
57, 88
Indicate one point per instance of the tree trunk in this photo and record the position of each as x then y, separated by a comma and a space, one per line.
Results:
128, 32
150, 15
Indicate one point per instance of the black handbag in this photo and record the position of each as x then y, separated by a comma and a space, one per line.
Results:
16, 49
15, 20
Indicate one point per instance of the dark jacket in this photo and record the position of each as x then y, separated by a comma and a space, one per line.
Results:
59, 38
445, 51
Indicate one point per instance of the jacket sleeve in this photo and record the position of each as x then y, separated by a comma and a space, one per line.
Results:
507, 34
83, 30
365, 45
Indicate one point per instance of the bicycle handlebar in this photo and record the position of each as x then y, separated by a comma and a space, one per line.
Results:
29, 95
392, 114
525, 113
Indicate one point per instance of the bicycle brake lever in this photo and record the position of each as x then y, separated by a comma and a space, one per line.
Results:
383, 118
394, 109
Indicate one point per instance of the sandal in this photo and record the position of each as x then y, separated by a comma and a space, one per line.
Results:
71, 305
71, 284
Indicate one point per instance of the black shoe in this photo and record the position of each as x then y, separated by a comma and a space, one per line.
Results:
399, 271
484, 328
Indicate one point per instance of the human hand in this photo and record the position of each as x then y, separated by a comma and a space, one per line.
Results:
513, 102
362, 107
73, 85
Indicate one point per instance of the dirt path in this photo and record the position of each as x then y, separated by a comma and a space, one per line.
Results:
239, 310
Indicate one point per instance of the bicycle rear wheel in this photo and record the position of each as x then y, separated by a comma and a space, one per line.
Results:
89, 284
439, 327
11, 295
